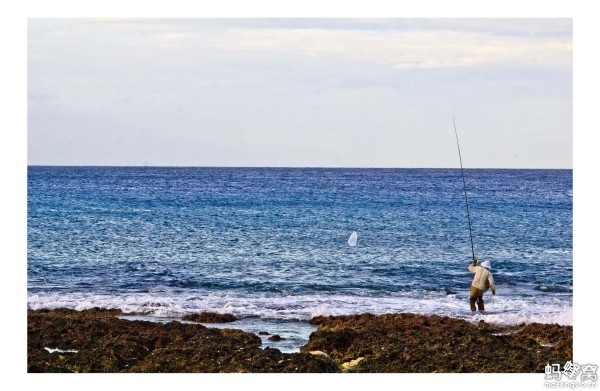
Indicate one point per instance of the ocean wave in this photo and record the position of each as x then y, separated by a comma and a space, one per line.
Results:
556, 288
500, 310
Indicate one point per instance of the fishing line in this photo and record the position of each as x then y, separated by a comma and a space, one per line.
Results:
465, 189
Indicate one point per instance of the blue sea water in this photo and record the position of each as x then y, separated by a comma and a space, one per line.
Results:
272, 243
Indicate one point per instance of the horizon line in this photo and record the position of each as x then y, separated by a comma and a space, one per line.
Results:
293, 167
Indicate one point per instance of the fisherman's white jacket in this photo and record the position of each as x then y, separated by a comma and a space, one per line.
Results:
483, 278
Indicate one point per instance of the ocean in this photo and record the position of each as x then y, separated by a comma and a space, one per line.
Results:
271, 244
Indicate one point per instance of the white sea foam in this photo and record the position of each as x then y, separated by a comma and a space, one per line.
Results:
500, 310
51, 350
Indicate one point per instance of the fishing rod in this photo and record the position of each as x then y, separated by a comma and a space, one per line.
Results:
465, 189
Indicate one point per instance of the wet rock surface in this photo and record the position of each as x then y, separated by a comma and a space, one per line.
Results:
415, 343
105, 343
358, 343
210, 317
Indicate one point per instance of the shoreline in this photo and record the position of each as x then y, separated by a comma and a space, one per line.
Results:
504, 310
396, 343
294, 333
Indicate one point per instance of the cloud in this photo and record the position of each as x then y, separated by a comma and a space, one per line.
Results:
405, 49
399, 43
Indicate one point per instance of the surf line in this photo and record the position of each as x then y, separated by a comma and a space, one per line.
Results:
465, 189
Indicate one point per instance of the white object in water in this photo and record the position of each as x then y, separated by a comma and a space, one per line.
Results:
352, 239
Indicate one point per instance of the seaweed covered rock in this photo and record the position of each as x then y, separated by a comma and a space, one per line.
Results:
105, 343
416, 343
98, 341
210, 317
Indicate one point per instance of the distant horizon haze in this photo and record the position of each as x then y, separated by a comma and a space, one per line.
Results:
303, 167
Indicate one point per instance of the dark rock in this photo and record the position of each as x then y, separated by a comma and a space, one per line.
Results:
275, 338
210, 317
105, 343
263, 333
356, 343
416, 343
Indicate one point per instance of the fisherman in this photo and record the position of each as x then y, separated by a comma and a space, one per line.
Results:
482, 281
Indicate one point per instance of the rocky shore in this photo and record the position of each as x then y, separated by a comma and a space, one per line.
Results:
416, 343
96, 340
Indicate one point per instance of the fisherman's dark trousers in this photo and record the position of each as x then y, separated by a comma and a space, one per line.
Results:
476, 295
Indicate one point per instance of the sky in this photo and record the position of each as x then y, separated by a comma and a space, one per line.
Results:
300, 92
